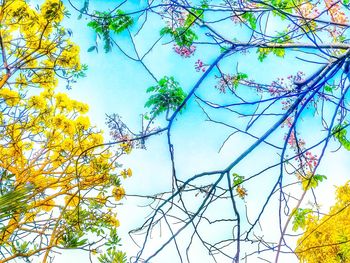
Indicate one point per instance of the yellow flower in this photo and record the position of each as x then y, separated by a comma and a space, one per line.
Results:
48, 205
80, 107
126, 147
96, 139
115, 222
48, 93
63, 102
68, 127
53, 10
67, 144
21, 81
30, 216
118, 193
126, 173
37, 102
11, 97
70, 57
241, 191
58, 121
72, 200
82, 123
101, 198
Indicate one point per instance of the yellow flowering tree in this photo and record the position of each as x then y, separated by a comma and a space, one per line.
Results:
49, 152
327, 239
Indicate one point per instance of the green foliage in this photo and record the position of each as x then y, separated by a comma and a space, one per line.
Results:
282, 37
299, 215
281, 4
105, 22
183, 36
168, 96
113, 256
329, 88
14, 200
263, 52
279, 52
285, 5
84, 8
21, 247
114, 239
236, 79
72, 239
250, 18
339, 132
237, 179
312, 181
224, 48
193, 16
205, 4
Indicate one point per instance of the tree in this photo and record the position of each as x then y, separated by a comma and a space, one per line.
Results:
63, 181
217, 38
326, 238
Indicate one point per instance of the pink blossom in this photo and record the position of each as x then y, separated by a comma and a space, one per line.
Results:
199, 66
184, 51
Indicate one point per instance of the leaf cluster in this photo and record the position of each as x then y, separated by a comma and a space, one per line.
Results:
299, 220
263, 52
183, 36
339, 132
312, 181
105, 22
168, 95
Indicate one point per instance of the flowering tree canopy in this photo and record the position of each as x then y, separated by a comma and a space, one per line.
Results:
58, 182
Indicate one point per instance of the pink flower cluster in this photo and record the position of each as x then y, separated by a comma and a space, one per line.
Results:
200, 66
298, 145
334, 9
225, 82
308, 10
184, 51
311, 160
288, 122
293, 142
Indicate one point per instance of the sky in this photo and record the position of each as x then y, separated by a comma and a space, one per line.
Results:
114, 84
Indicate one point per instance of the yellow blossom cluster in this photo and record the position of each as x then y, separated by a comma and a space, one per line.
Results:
126, 173
118, 193
36, 46
326, 239
47, 141
10, 97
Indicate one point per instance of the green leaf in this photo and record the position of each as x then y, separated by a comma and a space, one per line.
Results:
279, 52
193, 16
328, 88
339, 132
104, 23
92, 48
250, 18
237, 179
183, 36
313, 181
168, 95
14, 200
299, 220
